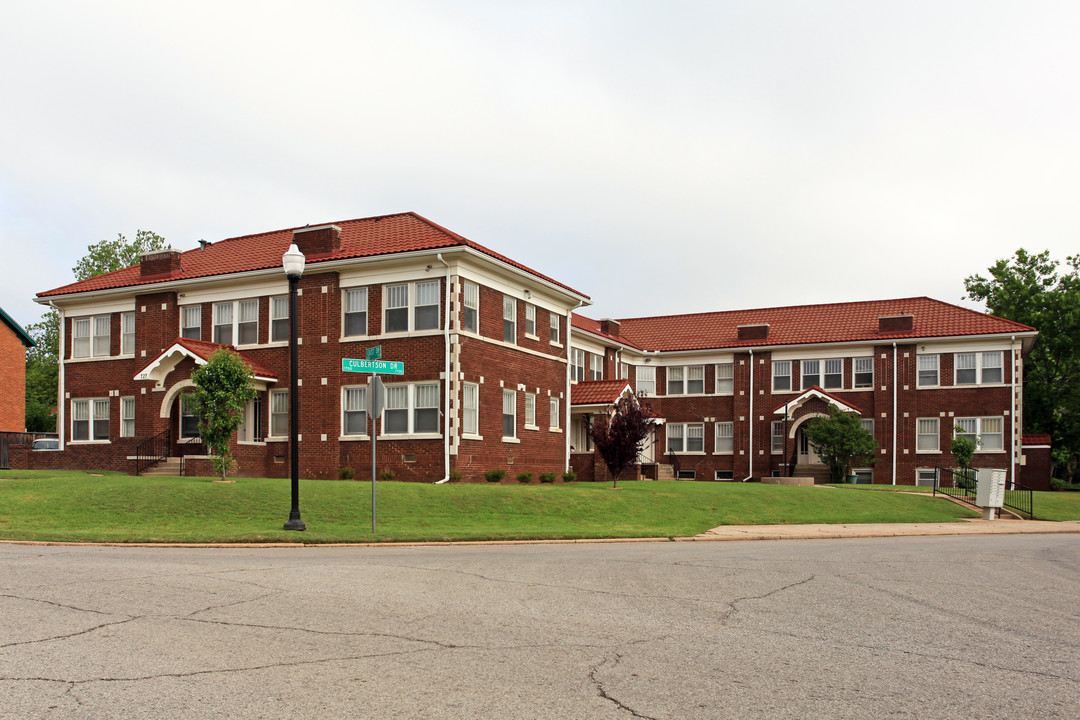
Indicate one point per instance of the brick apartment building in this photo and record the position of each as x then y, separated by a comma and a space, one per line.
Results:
501, 372
13, 344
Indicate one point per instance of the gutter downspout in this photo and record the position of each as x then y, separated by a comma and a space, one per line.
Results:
1014, 460
60, 414
894, 384
446, 374
751, 469
566, 439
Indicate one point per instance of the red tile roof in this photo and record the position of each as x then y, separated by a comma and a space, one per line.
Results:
364, 237
580, 322
806, 324
1035, 439
205, 349
597, 392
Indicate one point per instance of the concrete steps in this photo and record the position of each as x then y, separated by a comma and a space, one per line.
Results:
665, 472
169, 467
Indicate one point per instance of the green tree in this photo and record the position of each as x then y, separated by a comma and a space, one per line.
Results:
841, 442
223, 388
1030, 289
618, 436
963, 451
42, 370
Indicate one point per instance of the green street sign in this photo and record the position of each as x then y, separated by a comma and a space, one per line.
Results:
386, 367
374, 353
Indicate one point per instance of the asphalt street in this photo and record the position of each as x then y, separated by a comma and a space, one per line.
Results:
905, 627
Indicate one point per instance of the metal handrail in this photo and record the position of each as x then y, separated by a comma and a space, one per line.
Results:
962, 486
152, 451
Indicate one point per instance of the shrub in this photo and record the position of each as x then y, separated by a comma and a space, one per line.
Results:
455, 476
569, 476
387, 475
547, 477
494, 475
524, 477
1059, 484
346, 473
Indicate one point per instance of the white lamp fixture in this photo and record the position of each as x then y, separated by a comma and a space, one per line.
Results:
293, 261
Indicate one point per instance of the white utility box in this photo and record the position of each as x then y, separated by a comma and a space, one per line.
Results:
990, 490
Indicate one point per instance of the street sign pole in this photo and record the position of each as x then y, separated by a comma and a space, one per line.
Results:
376, 401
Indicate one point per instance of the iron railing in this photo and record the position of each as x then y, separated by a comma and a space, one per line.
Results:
193, 446
959, 485
152, 450
1021, 499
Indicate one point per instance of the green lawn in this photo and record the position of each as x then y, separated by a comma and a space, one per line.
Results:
80, 506
1055, 505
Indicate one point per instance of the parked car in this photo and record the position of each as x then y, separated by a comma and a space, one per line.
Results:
47, 444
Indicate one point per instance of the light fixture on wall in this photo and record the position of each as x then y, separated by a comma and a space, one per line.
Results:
528, 295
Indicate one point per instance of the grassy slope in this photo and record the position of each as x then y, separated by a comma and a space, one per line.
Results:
39, 505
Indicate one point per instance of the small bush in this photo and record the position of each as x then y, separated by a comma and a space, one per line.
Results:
494, 475
346, 473
1059, 484
387, 475
455, 476
569, 476
524, 478
547, 477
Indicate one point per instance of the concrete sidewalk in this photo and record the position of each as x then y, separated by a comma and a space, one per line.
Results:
811, 532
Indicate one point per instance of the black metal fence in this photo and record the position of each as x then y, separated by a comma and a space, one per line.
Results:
152, 451
186, 448
961, 485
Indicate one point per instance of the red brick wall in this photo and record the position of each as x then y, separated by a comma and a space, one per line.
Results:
13, 372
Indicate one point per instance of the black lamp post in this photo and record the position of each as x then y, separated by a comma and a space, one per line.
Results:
293, 262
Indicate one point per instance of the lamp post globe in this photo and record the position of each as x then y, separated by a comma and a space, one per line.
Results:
293, 263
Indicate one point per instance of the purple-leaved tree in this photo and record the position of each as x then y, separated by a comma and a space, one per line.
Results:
618, 436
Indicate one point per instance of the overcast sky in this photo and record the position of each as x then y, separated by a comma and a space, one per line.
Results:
661, 157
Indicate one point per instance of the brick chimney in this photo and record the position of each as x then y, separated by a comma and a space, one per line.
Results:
318, 240
895, 323
609, 326
160, 262
754, 332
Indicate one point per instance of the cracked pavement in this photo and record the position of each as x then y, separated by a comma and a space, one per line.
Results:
920, 627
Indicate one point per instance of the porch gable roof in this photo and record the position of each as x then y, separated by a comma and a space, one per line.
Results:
199, 351
816, 392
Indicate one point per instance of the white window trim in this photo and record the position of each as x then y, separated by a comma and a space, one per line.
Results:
937, 437
554, 415
344, 311
270, 415
638, 379
979, 368
716, 379
685, 439
235, 322
575, 355
130, 352
979, 433
410, 308
716, 438
509, 305
503, 414
466, 284
553, 325
775, 365
198, 313
90, 421
91, 321
344, 435
530, 310
773, 435
411, 408
854, 363
530, 398
465, 410
918, 370
685, 381
123, 419
596, 367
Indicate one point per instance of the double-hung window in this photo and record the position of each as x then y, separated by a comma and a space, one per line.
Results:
509, 414
781, 375
470, 419
596, 367
472, 307
127, 333
279, 413
577, 364
396, 314
811, 374
686, 437
127, 417
223, 323
530, 410
777, 446
553, 321
189, 419
646, 380
509, 319
553, 409
834, 374
426, 312
725, 437
411, 409
863, 369
688, 380
191, 322
977, 368
247, 326
530, 320
354, 415
867, 424
90, 336
356, 312
986, 432
928, 370
279, 318
90, 420
927, 435
725, 379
